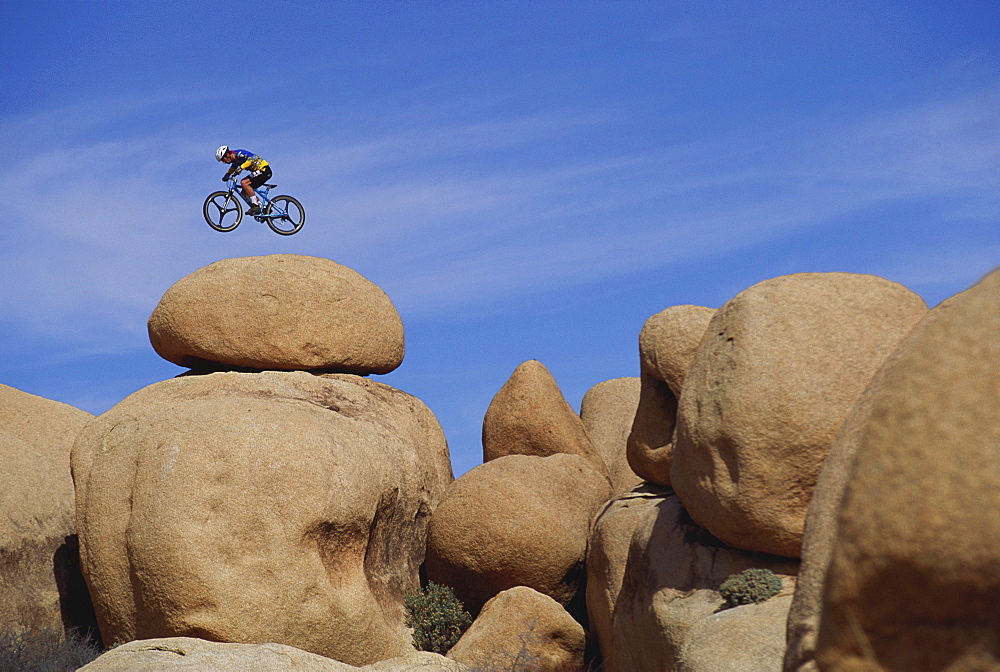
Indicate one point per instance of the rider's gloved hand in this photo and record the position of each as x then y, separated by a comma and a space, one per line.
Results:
225, 178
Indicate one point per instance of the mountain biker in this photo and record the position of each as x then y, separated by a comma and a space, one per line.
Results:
260, 172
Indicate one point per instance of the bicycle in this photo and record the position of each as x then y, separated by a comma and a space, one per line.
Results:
223, 210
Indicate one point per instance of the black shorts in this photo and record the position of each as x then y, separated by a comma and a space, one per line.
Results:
260, 177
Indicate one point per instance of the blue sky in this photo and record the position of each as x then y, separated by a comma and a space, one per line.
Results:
526, 180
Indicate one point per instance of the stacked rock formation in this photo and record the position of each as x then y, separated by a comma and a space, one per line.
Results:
271, 506
522, 518
737, 411
277, 501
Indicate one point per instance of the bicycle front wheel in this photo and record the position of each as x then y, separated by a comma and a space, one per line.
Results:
223, 210
285, 215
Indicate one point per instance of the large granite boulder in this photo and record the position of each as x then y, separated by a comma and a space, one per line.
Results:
260, 507
521, 629
518, 520
188, 654
607, 411
821, 527
670, 592
282, 311
774, 377
914, 579
42, 588
607, 555
530, 416
667, 344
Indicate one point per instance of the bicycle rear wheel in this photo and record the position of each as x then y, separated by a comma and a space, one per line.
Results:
223, 210
285, 215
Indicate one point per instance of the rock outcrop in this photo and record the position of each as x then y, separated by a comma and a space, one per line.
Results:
188, 654
913, 581
748, 638
667, 344
270, 508
774, 377
607, 556
284, 312
260, 507
670, 594
517, 520
530, 416
39, 568
521, 629
607, 411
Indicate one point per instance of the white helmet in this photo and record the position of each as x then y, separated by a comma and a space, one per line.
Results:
221, 152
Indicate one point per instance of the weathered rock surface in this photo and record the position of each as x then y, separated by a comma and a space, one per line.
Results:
773, 379
282, 311
40, 582
607, 411
667, 344
530, 416
269, 507
518, 520
650, 446
821, 527
607, 555
748, 638
520, 628
197, 655
669, 340
670, 587
915, 574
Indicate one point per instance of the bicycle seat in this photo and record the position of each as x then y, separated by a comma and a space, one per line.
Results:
270, 186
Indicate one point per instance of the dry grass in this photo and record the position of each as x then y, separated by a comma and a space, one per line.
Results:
48, 650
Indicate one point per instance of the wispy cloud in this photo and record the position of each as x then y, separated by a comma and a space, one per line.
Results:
448, 215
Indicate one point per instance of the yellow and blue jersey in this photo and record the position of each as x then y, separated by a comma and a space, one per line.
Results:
249, 161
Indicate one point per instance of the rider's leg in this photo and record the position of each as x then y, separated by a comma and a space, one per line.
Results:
249, 192
256, 180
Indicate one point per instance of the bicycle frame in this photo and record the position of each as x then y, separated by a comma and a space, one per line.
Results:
237, 189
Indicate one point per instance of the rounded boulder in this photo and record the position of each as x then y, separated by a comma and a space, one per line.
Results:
39, 572
518, 520
260, 507
522, 629
607, 411
282, 311
914, 577
530, 416
773, 379
667, 344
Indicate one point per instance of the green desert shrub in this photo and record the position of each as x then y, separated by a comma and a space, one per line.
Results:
437, 617
44, 650
750, 586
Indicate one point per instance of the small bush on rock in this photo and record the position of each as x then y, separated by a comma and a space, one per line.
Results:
437, 617
750, 586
